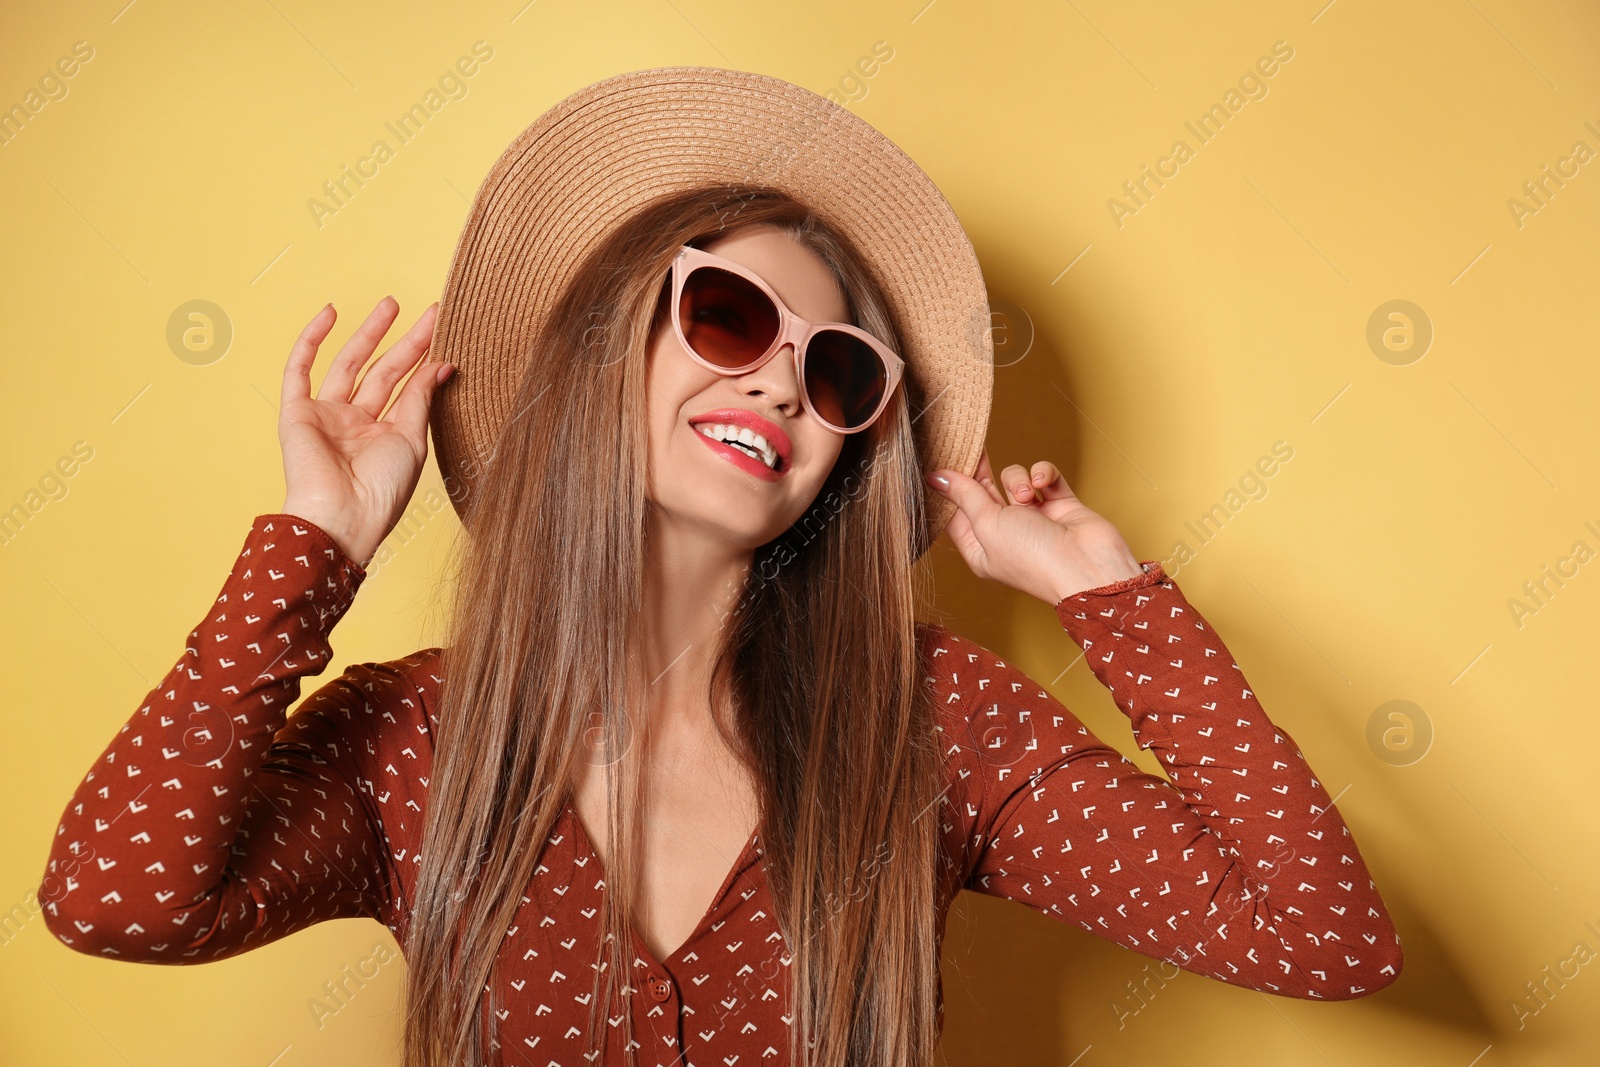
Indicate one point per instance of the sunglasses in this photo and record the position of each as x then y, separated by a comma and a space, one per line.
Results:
732, 322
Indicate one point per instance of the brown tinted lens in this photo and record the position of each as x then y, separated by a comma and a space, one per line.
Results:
845, 378
726, 319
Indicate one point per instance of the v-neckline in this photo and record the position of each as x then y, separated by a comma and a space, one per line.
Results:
741, 863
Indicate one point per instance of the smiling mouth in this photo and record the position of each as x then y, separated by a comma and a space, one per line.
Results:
732, 436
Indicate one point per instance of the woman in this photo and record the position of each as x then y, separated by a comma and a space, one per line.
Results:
690, 568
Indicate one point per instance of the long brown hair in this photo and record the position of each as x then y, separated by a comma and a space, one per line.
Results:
818, 663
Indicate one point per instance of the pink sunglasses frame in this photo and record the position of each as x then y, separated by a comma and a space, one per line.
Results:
791, 328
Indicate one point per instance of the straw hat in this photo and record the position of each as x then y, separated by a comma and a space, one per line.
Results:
613, 147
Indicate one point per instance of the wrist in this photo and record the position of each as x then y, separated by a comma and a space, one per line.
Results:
1079, 580
352, 546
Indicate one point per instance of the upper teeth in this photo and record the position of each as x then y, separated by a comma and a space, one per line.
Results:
734, 435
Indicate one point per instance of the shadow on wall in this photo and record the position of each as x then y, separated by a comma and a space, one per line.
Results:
1027, 966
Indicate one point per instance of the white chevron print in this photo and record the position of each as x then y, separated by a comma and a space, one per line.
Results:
265, 823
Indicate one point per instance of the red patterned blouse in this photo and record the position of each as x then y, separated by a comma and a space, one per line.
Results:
215, 821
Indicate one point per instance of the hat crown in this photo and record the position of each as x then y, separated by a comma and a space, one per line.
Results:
610, 149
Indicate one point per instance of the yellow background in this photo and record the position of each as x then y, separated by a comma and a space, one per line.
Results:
1229, 312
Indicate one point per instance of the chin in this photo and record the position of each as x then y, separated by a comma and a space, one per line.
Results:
710, 519
746, 538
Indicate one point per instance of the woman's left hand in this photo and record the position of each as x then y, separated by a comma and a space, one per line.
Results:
1032, 533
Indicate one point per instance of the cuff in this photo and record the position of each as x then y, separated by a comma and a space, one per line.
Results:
1114, 609
324, 539
1153, 573
330, 577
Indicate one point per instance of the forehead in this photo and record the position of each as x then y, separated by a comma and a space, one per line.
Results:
800, 277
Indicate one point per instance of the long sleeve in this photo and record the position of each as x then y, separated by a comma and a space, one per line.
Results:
210, 825
1240, 868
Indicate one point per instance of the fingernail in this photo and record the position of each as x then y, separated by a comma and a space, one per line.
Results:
937, 480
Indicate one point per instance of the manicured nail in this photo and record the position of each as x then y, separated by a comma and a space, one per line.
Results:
938, 481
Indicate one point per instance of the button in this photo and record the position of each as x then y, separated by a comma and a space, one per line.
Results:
658, 987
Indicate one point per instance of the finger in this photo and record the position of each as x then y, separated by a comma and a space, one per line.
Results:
985, 477
409, 412
1048, 484
1015, 480
984, 470
960, 531
356, 351
377, 384
302, 354
971, 496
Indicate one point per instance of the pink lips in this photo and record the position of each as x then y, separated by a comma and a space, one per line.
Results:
756, 424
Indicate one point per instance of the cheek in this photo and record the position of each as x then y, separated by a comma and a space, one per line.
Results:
825, 449
673, 384
667, 388
664, 398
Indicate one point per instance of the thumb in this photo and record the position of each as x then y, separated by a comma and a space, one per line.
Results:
969, 494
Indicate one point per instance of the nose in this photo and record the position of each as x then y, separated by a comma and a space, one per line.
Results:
775, 379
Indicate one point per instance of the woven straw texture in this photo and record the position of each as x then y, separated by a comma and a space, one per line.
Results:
611, 148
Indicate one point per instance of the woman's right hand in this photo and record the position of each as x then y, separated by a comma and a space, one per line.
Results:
346, 469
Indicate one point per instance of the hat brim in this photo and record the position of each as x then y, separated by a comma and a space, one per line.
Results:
610, 149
